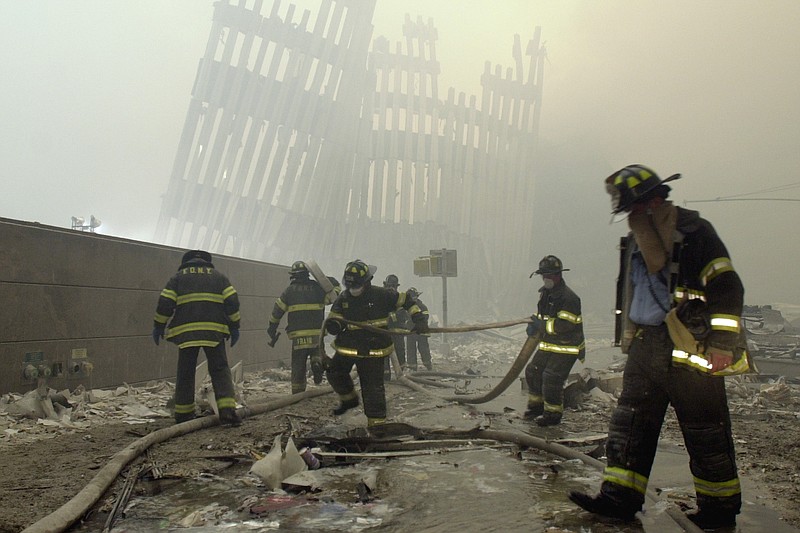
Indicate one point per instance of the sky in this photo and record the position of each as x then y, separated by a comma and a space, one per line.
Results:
94, 94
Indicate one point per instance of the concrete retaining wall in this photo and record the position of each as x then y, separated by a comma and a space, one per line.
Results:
80, 305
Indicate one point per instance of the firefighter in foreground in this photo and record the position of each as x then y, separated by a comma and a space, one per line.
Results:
363, 302
304, 300
677, 268
558, 320
419, 341
204, 308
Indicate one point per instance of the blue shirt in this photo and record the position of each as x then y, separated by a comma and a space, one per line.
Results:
645, 309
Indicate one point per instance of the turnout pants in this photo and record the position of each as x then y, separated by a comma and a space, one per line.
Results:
220, 374
414, 342
545, 376
304, 348
370, 374
650, 384
400, 349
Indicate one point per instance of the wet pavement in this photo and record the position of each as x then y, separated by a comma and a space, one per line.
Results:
474, 486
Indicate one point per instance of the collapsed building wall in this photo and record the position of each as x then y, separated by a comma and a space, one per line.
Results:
309, 140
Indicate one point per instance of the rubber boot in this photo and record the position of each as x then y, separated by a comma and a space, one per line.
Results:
184, 417
605, 506
548, 419
229, 417
713, 519
533, 411
346, 406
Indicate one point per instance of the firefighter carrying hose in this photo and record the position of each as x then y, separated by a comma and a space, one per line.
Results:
204, 308
558, 319
397, 320
673, 267
418, 341
363, 302
304, 300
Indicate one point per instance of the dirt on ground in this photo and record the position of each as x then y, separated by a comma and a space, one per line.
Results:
45, 465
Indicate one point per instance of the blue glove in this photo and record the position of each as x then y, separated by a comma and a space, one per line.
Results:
234, 337
535, 327
158, 333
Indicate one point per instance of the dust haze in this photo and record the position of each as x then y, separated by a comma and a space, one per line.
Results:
95, 94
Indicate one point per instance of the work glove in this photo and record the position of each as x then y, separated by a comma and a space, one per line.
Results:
272, 331
421, 327
334, 327
234, 337
719, 352
158, 333
317, 368
535, 327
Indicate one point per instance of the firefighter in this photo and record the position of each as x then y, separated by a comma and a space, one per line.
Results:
363, 302
418, 340
558, 320
672, 256
204, 309
397, 321
304, 300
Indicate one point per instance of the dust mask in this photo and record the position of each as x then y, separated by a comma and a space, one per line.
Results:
356, 291
548, 283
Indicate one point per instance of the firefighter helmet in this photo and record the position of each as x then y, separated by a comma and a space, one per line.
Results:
391, 281
550, 264
413, 293
356, 274
635, 183
196, 254
298, 270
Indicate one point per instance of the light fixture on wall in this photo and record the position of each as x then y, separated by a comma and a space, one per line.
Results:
79, 223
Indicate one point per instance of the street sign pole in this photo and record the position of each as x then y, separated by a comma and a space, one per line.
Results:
445, 345
444, 263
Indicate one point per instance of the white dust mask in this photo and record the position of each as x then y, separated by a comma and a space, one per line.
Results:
356, 291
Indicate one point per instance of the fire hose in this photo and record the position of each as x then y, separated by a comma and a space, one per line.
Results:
513, 373
519, 438
79, 505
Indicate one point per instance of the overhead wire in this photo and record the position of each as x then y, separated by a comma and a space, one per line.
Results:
739, 197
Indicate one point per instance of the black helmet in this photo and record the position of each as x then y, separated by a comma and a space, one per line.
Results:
635, 183
196, 254
356, 274
550, 264
391, 281
413, 292
298, 270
